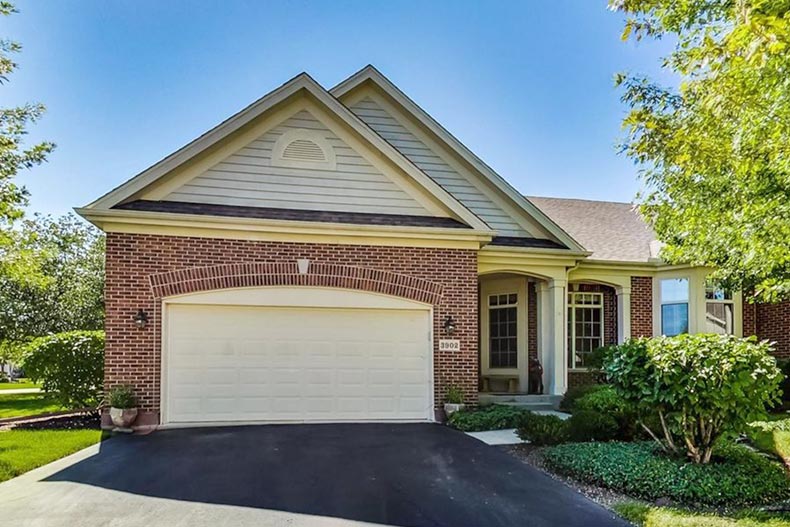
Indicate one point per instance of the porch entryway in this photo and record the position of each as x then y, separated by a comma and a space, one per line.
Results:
518, 357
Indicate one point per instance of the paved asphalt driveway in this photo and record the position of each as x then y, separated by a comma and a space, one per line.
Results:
317, 475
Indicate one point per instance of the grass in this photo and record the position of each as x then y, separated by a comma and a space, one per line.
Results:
24, 450
24, 404
650, 516
773, 436
21, 383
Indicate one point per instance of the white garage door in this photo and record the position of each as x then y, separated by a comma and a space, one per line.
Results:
252, 363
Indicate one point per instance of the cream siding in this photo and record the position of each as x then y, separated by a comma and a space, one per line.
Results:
433, 165
247, 178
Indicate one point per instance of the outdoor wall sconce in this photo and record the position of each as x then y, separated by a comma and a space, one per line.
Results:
449, 325
141, 319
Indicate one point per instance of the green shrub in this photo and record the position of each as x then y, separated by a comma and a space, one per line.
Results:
784, 366
604, 399
69, 365
589, 425
494, 417
454, 394
701, 387
736, 477
121, 396
541, 430
574, 393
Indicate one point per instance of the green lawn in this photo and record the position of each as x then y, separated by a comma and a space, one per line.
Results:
772, 436
21, 383
23, 450
649, 516
22, 404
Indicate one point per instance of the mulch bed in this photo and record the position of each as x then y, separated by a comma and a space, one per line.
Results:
73, 421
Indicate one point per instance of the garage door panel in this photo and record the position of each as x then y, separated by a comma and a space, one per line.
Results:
242, 363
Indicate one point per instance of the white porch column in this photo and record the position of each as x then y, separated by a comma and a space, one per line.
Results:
623, 314
552, 335
559, 312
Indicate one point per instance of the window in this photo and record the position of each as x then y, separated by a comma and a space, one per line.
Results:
674, 294
503, 331
585, 326
719, 310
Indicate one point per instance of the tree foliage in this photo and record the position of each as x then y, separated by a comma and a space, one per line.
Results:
14, 155
51, 279
700, 386
70, 367
715, 152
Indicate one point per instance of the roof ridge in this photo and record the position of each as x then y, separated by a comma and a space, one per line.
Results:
582, 199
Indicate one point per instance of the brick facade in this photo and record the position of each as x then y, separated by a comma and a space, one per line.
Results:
641, 306
772, 322
142, 268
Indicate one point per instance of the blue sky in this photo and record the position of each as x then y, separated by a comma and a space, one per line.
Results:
527, 85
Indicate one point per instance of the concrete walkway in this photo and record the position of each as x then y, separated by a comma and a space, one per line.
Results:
498, 437
509, 435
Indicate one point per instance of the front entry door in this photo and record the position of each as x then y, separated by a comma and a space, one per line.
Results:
503, 335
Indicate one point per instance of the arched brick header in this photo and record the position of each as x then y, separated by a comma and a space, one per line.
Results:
228, 276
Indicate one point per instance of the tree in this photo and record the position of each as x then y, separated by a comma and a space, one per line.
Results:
715, 152
61, 288
13, 128
70, 366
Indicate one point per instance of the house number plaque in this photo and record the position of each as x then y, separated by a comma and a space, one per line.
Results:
449, 345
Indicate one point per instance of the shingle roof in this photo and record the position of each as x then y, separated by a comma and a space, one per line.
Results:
291, 214
611, 231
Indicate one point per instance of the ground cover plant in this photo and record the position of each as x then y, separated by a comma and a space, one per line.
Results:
493, 417
738, 477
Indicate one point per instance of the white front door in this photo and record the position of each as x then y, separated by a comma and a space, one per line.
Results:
295, 363
503, 328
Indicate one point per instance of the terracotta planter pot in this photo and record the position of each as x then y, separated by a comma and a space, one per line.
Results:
451, 408
123, 417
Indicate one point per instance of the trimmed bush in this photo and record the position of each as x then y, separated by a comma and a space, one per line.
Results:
736, 477
541, 430
604, 399
568, 402
589, 425
69, 365
701, 386
494, 417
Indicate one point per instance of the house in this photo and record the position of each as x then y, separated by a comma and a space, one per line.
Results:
337, 255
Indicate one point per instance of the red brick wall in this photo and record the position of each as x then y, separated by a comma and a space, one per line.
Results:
532, 321
133, 355
641, 306
772, 322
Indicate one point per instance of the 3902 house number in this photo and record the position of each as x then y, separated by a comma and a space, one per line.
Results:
449, 345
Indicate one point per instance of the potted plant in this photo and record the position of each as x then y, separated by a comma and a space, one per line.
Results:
123, 407
454, 400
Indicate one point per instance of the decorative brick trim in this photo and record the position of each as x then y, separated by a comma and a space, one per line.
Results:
320, 274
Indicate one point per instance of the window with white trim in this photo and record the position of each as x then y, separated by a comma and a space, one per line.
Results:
585, 326
719, 310
503, 330
674, 297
